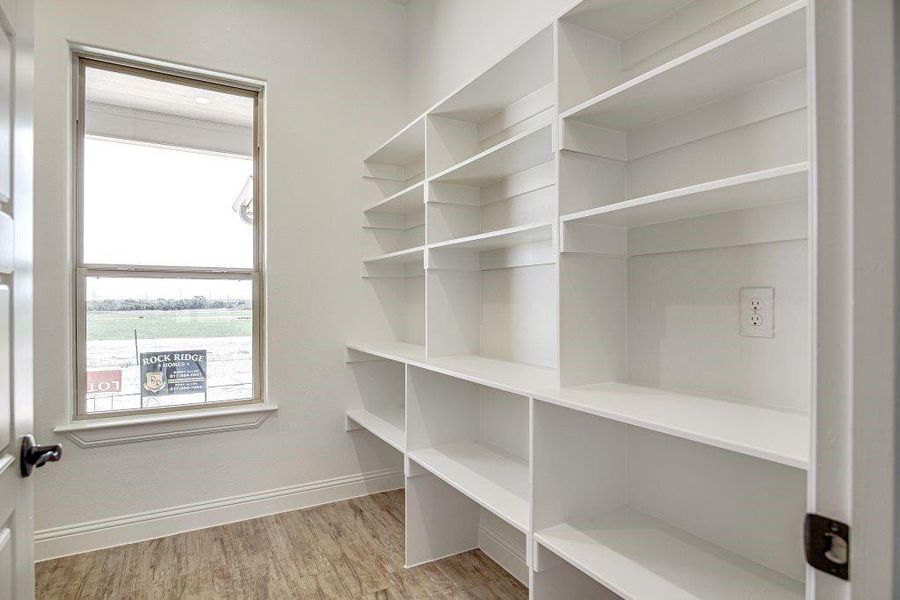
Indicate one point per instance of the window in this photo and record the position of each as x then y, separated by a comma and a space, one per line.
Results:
168, 241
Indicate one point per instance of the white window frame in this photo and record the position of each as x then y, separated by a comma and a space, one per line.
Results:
82, 270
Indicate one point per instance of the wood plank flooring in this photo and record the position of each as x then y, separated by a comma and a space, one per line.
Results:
344, 551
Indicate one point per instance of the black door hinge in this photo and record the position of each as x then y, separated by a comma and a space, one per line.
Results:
827, 544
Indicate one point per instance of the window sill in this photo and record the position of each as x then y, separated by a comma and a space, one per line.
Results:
93, 433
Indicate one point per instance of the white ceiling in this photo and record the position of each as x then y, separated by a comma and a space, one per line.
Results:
129, 91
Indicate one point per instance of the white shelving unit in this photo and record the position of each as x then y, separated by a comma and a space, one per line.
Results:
568, 235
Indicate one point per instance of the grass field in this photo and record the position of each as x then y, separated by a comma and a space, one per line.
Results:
152, 324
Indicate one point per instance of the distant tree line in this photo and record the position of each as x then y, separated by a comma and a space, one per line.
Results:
195, 303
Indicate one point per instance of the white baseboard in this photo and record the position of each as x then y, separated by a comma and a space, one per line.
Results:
504, 552
137, 527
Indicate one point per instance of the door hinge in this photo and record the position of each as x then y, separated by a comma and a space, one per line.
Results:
827, 544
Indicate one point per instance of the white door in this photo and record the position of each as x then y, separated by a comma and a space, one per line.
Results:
16, 250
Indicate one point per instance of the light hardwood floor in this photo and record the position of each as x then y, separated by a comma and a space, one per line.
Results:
348, 550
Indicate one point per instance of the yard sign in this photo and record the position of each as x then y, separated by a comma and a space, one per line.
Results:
173, 373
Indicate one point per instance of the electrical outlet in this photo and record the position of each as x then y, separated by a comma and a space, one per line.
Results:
758, 312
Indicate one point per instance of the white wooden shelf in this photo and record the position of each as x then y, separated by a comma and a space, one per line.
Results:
405, 147
402, 202
514, 155
749, 190
387, 424
773, 435
495, 480
521, 72
772, 46
517, 378
391, 350
502, 238
402, 257
639, 557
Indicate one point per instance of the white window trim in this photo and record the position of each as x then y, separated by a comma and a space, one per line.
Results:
104, 429
111, 431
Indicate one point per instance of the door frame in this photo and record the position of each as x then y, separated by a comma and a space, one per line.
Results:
852, 143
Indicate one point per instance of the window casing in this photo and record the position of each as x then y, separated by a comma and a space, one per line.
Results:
244, 276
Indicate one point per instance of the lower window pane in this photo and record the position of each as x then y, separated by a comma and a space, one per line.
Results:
153, 343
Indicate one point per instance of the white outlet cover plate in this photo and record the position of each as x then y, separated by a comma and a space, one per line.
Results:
757, 312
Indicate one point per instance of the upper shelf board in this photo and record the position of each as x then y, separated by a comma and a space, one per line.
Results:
497, 481
777, 436
406, 147
504, 238
621, 20
760, 188
518, 153
767, 48
408, 256
391, 350
525, 70
637, 556
404, 201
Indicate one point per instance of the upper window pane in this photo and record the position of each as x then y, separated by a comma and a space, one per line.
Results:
167, 173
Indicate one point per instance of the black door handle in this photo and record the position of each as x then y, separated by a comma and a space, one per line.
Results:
37, 456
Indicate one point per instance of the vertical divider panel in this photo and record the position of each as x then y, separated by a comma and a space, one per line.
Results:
440, 521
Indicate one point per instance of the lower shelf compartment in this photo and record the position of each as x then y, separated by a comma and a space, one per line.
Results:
387, 424
495, 480
639, 557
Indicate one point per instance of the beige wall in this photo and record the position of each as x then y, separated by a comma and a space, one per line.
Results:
336, 75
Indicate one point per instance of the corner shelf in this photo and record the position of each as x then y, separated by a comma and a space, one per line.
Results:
760, 188
514, 155
769, 47
495, 480
637, 556
387, 424
773, 435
